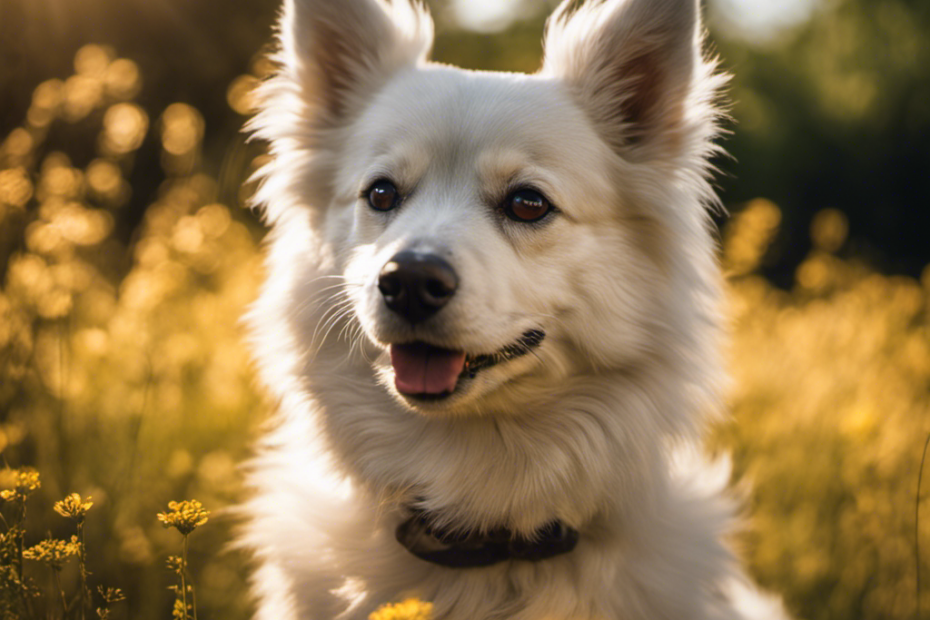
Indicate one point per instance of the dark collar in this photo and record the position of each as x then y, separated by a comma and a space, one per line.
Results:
471, 548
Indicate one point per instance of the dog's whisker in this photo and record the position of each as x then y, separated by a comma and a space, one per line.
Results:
325, 294
338, 312
330, 318
358, 341
331, 310
345, 333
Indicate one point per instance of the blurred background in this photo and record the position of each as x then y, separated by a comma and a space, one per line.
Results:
127, 258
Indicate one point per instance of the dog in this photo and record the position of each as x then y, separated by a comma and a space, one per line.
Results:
492, 324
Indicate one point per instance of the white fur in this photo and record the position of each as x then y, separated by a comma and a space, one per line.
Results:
598, 426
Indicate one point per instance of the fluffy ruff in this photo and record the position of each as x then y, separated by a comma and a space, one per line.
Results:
592, 420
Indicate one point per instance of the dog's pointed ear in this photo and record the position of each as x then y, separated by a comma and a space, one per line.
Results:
631, 65
339, 52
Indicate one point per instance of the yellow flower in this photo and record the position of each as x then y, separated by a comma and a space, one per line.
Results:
73, 507
53, 552
26, 481
111, 595
184, 516
410, 609
179, 613
176, 564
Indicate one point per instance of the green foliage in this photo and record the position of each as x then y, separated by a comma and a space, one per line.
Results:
836, 113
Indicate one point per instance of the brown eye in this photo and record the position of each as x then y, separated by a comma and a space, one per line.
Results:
526, 205
383, 196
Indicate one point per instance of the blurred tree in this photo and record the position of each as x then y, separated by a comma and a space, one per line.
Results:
187, 52
836, 113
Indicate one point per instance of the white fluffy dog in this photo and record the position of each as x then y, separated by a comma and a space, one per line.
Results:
491, 319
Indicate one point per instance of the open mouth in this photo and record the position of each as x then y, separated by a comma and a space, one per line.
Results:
428, 371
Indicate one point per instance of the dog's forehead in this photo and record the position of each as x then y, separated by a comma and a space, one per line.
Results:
466, 115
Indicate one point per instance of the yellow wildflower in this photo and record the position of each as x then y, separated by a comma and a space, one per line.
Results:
184, 516
53, 552
176, 564
178, 612
111, 595
73, 507
26, 481
410, 609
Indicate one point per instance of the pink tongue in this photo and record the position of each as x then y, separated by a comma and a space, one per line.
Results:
420, 368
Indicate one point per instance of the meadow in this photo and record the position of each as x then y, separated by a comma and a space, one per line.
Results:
125, 375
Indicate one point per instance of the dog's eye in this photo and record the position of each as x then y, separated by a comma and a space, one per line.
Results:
526, 205
383, 196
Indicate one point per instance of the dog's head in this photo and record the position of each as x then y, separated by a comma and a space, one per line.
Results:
475, 238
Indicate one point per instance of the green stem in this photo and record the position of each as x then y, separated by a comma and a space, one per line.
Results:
194, 600
61, 591
27, 603
184, 575
82, 559
22, 534
193, 590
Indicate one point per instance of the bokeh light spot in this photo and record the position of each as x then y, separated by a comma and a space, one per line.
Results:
150, 252
59, 179
93, 60
104, 179
217, 470
241, 94
18, 144
28, 275
187, 236
81, 95
49, 94
123, 79
124, 128
749, 235
46, 101
179, 464
83, 226
263, 66
214, 219
15, 187
486, 15
43, 239
39, 117
182, 129
814, 273
829, 229
761, 22
92, 341
74, 275
56, 304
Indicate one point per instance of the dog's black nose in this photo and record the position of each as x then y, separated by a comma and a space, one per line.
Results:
415, 285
